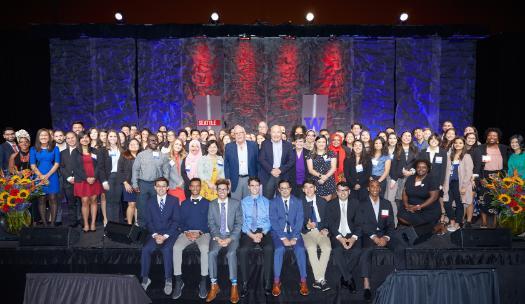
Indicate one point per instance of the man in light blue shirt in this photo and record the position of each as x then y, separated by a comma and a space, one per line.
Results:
256, 233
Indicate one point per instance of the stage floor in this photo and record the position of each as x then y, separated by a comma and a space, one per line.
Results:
96, 254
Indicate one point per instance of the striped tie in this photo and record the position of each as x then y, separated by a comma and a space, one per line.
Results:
161, 204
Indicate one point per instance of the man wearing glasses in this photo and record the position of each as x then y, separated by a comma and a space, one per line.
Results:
7, 148
225, 222
286, 217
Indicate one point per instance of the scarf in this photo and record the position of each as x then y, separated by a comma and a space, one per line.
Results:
192, 160
341, 155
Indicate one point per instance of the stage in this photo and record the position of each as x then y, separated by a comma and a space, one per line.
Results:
95, 254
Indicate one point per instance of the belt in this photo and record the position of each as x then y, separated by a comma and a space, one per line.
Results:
245, 175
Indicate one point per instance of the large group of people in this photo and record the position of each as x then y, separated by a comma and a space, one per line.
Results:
343, 193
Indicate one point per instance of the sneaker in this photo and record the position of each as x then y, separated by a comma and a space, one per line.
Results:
145, 283
317, 285
324, 285
203, 289
168, 287
451, 228
177, 292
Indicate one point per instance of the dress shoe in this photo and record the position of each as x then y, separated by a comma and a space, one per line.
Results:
276, 289
168, 287
244, 291
234, 294
352, 287
324, 285
367, 295
303, 290
212, 294
203, 290
177, 291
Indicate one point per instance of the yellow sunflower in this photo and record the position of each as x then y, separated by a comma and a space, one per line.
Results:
15, 179
23, 194
517, 209
4, 196
507, 182
11, 201
522, 198
504, 198
518, 180
25, 181
2, 180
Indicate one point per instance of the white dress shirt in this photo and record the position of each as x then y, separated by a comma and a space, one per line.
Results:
277, 149
242, 154
314, 202
344, 229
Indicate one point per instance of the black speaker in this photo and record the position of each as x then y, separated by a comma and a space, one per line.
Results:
52, 236
469, 238
124, 233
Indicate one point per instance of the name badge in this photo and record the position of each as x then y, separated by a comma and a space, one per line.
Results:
439, 159
172, 163
384, 213
456, 162
418, 183
375, 162
485, 158
359, 168
156, 154
93, 156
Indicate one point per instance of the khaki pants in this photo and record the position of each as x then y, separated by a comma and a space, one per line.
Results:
312, 239
182, 242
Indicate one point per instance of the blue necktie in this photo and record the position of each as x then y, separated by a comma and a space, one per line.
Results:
313, 217
223, 218
254, 220
286, 216
162, 204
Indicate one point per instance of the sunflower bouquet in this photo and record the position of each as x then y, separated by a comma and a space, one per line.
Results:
508, 197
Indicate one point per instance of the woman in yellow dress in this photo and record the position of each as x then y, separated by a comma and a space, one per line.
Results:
210, 168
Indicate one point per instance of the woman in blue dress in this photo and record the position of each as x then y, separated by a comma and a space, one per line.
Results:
44, 158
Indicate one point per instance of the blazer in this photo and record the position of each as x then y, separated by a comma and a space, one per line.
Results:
165, 222
105, 160
78, 166
266, 161
278, 216
396, 170
333, 218
205, 168
438, 163
125, 169
307, 210
5, 153
231, 162
353, 177
367, 222
234, 218
466, 167
477, 157
293, 179
67, 164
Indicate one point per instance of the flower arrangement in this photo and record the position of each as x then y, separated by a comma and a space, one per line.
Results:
508, 197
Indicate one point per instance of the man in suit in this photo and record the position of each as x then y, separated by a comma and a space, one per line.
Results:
375, 219
194, 228
315, 233
68, 179
277, 160
240, 162
225, 222
162, 219
7, 148
344, 233
286, 217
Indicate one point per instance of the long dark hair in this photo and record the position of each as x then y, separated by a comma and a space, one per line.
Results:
384, 149
519, 138
363, 158
38, 144
453, 150
399, 149
127, 154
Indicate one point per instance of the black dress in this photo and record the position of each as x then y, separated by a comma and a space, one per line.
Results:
416, 196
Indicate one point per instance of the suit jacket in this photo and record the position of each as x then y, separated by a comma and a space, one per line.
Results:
353, 177
266, 160
367, 222
333, 218
105, 161
438, 168
231, 162
78, 166
477, 157
5, 153
307, 210
234, 218
125, 169
465, 170
165, 222
293, 179
278, 216
396, 170
67, 164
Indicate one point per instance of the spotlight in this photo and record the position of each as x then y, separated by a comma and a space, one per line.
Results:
403, 17
310, 17
119, 16
214, 17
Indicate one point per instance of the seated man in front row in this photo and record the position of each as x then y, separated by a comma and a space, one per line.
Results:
162, 219
194, 225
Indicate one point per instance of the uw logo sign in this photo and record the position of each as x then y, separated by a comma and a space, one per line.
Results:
314, 123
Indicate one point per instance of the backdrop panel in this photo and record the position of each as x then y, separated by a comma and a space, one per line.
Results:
92, 80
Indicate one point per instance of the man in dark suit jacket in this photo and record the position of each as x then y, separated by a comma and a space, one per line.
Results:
286, 217
67, 166
315, 233
7, 148
240, 162
375, 219
344, 234
277, 160
162, 219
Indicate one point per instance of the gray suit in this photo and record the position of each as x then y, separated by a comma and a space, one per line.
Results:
234, 224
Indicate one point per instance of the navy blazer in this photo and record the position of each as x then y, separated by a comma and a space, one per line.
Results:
231, 162
368, 223
266, 161
165, 222
278, 217
321, 208
78, 166
333, 216
5, 153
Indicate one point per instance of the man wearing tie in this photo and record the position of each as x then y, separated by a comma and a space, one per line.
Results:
315, 233
286, 218
376, 221
256, 233
240, 162
340, 216
194, 228
277, 161
162, 219
7, 148
225, 222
